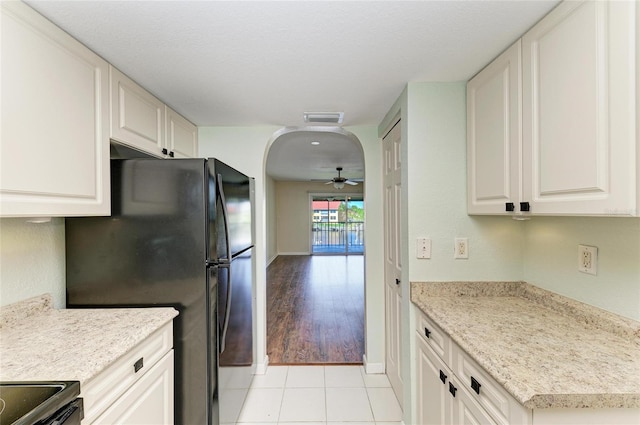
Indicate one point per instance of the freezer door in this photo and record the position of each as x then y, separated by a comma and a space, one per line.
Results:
230, 211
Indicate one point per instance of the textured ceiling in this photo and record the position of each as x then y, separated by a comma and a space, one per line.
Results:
244, 63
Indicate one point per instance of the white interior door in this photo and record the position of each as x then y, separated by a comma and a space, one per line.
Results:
392, 264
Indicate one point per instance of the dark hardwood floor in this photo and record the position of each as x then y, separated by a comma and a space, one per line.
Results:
315, 310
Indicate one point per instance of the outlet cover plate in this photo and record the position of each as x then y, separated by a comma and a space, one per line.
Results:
461, 248
588, 259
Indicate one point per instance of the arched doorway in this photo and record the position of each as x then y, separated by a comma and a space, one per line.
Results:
310, 299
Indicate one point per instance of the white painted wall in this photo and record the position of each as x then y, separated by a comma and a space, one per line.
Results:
31, 260
271, 219
292, 208
246, 148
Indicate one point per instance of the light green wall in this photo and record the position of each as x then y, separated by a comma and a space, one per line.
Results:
32, 260
436, 194
551, 260
542, 251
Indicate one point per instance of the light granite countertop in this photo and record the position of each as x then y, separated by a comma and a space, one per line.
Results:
38, 342
546, 350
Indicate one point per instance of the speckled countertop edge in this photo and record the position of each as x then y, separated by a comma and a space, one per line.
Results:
442, 303
38, 342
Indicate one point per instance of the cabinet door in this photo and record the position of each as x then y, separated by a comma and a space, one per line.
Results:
466, 411
148, 401
393, 265
433, 404
579, 140
55, 142
494, 136
181, 136
137, 117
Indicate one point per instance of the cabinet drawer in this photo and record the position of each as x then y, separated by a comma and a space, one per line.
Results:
149, 400
103, 390
486, 391
434, 337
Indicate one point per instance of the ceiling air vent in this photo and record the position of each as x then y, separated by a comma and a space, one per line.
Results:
324, 117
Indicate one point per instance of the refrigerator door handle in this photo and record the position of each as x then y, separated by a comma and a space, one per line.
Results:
225, 219
227, 308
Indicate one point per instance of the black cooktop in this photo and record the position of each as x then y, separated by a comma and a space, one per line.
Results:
30, 402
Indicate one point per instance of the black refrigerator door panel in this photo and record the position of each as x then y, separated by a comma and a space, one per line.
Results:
236, 359
235, 298
151, 252
152, 249
212, 352
233, 191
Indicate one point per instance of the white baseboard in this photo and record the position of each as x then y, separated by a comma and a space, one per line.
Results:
372, 368
294, 253
261, 367
269, 261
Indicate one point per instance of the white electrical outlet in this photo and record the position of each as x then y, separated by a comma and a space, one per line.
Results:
423, 248
588, 259
461, 248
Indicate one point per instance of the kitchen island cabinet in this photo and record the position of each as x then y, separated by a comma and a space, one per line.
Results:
122, 357
55, 120
524, 355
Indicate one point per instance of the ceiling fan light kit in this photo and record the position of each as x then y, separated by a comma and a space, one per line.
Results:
339, 182
324, 117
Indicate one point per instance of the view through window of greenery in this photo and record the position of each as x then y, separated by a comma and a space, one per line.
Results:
337, 225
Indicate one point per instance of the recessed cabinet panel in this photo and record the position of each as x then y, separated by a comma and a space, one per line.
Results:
490, 105
182, 136
569, 86
579, 135
433, 400
137, 117
55, 147
494, 134
148, 401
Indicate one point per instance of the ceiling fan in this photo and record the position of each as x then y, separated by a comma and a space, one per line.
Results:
339, 182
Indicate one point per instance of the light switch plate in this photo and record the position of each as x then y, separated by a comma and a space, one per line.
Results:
423, 248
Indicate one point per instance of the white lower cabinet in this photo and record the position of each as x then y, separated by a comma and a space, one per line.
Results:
138, 388
148, 401
442, 398
453, 389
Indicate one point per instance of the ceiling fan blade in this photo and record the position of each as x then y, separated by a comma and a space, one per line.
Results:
329, 182
351, 183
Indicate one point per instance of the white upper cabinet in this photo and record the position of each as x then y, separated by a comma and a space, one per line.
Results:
494, 136
143, 122
137, 117
579, 142
579, 110
54, 149
181, 136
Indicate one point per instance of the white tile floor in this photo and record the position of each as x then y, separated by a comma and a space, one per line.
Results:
312, 395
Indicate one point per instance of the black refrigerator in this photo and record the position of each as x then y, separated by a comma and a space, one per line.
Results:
180, 234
